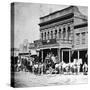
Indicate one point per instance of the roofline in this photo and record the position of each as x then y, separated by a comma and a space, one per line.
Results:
58, 11
81, 25
70, 15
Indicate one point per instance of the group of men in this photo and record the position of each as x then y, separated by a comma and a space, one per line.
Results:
51, 65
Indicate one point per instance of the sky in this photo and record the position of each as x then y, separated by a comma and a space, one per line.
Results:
27, 18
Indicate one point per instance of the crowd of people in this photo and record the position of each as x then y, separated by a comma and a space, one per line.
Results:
50, 65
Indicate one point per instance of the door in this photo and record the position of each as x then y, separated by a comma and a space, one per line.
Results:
66, 56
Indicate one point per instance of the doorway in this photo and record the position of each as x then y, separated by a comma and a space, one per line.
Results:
65, 56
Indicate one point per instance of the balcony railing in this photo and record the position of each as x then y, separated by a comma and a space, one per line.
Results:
56, 41
50, 41
64, 41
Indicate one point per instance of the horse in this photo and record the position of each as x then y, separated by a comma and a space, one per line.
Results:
75, 66
79, 62
58, 67
35, 68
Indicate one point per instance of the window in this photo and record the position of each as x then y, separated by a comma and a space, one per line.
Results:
45, 35
59, 33
77, 38
68, 33
64, 33
83, 37
51, 34
55, 34
48, 35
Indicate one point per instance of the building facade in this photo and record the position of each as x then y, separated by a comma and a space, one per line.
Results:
65, 34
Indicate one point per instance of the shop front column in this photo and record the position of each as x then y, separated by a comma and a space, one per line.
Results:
42, 62
42, 55
78, 66
78, 54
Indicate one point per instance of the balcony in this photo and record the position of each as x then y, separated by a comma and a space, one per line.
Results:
56, 43
64, 43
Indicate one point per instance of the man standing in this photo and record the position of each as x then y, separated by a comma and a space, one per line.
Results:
85, 68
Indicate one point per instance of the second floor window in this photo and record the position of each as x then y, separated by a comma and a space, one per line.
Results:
55, 34
45, 35
59, 33
48, 35
77, 38
68, 34
83, 37
64, 33
51, 34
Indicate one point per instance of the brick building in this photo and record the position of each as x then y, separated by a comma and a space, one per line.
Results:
64, 33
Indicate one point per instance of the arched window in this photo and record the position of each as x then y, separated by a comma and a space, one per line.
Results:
68, 33
55, 34
64, 33
48, 35
51, 34
45, 35
59, 33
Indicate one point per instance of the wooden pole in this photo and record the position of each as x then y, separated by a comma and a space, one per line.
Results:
69, 61
78, 54
42, 62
